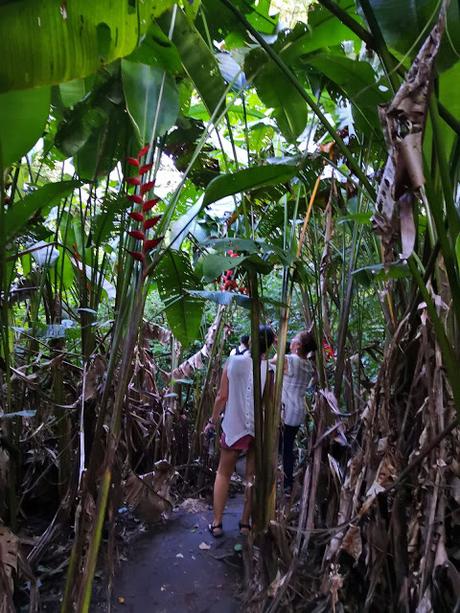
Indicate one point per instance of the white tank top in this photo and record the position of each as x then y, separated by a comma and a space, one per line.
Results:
239, 411
295, 383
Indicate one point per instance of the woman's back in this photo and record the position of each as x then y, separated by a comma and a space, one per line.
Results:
239, 411
295, 383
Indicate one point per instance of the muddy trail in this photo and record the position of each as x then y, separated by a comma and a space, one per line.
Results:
179, 567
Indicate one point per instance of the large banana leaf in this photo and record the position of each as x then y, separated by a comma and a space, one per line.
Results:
197, 59
23, 116
277, 92
151, 97
247, 180
222, 24
175, 277
95, 131
21, 212
323, 30
156, 49
406, 23
48, 42
358, 83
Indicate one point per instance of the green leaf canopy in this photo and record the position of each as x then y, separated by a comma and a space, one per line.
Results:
407, 34
246, 180
277, 92
175, 277
213, 265
21, 212
49, 42
23, 116
197, 59
151, 97
323, 30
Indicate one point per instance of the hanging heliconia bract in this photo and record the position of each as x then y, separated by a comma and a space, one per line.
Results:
140, 215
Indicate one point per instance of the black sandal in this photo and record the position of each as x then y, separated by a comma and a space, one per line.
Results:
246, 527
212, 528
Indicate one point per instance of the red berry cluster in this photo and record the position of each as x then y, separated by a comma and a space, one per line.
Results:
143, 213
228, 279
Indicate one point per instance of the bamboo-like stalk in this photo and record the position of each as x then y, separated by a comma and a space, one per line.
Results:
344, 317
12, 429
84, 597
87, 585
259, 489
379, 44
200, 417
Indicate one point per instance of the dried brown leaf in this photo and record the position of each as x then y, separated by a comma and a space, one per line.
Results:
154, 332
408, 230
403, 123
94, 377
352, 542
8, 567
149, 494
197, 361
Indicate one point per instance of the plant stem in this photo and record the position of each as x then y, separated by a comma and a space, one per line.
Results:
258, 409
380, 45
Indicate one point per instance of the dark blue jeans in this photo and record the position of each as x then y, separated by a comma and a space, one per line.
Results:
287, 438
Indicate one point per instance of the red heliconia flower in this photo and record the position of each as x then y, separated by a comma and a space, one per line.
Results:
145, 168
150, 223
143, 151
146, 187
133, 162
137, 255
136, 216
137, 234
149, 204
133, 181
328, 350
152, 243
136, 198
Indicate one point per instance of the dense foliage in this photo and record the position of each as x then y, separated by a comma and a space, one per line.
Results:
172, 174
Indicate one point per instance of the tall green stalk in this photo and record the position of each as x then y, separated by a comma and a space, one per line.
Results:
258, 507
13, 426
84, 599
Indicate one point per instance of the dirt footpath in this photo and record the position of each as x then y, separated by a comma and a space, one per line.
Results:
179, 567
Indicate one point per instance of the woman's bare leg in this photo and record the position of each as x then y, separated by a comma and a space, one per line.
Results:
249, 477
227, 462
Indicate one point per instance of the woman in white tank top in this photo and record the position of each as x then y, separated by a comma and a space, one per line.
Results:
235, 397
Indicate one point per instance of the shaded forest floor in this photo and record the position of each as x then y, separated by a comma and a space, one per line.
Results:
179, 567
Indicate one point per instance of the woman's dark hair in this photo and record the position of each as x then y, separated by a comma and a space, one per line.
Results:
266, 338
307, 342
244, 340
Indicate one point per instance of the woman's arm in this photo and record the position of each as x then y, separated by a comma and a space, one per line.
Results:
274, 360
221, 398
